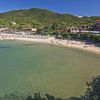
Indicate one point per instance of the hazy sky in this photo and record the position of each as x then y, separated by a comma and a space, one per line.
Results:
76, 7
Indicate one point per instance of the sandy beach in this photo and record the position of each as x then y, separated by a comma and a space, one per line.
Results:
53, 41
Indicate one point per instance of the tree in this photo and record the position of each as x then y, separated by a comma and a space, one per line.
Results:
29, 98
93, 90
49, 97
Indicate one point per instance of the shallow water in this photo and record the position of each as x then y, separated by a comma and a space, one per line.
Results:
28, 67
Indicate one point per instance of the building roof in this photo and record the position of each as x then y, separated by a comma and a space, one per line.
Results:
97, 21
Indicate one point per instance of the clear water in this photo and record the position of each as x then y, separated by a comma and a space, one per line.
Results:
27, 67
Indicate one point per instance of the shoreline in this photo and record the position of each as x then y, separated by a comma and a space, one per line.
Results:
51, 40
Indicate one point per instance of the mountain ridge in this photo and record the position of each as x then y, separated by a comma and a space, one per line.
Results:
44, 17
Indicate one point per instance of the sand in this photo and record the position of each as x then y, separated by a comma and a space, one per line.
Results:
54, 41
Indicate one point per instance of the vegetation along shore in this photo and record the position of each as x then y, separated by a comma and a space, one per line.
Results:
92, 93
61, 29
83, 45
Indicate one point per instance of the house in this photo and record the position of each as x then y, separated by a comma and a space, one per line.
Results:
96, 26
30, 29
4, 29
34, 30
14, 23
78, 29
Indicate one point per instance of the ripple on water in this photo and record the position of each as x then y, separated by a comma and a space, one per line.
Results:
32, 67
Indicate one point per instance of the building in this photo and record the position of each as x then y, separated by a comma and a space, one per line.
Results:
4, 29
14, 23
96, 26
78, 29
30, 29
34, 30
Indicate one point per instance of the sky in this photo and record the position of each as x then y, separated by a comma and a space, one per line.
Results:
76, 7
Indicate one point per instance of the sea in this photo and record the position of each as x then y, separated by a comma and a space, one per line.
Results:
28, 67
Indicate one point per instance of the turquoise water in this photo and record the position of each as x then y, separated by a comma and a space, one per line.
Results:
27, 67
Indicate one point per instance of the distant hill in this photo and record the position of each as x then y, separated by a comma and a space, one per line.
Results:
41, 17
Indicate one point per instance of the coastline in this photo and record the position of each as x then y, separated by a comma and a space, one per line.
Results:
51, 40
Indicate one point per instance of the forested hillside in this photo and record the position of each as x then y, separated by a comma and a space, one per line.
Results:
40, 17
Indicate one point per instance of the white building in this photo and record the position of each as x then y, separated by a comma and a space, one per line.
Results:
34, 29
2, 29
14, 23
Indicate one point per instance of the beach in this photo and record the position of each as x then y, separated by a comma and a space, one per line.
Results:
52, 40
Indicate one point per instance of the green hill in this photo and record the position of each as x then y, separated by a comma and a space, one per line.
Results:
35, 17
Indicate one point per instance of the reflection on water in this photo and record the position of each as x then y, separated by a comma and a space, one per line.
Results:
30, 67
